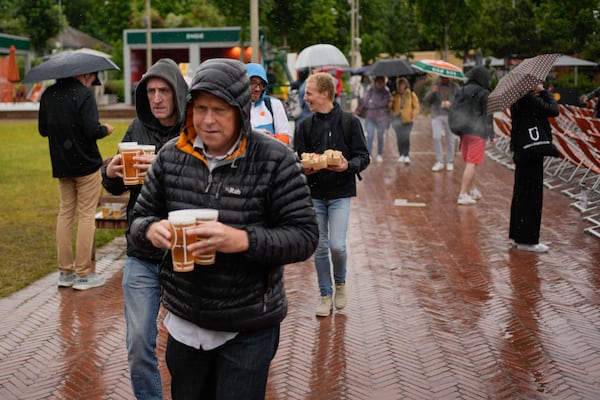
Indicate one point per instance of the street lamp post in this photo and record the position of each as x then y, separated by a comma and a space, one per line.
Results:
254, 30
148, 36
355, 58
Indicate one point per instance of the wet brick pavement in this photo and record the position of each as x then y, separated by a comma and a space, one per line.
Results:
440, 306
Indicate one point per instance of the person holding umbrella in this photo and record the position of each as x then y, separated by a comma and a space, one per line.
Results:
440, 97
68, 117
533, 109
405, 108
376, 101
531, 139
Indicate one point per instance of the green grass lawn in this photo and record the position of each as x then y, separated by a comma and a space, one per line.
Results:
30, 198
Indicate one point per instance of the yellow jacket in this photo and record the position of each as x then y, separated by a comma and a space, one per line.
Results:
405, 105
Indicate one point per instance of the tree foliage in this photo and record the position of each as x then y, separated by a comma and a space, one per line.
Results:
501, 28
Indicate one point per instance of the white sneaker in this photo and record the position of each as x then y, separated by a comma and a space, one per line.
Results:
90, 281
475, 194
465, 200
401, 159
437, 167
379, 158
406, 160
66, 279
325, 306
449, 167
537, 248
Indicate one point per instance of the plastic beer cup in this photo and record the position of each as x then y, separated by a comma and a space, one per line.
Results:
181, 222
146, 149
129, 150
205, 215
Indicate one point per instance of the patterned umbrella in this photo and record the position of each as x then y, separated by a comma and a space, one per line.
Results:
522, 79
441, 68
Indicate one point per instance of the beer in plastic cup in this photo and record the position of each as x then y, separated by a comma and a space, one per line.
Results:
129, 150
205, 215
146, 149
181, 222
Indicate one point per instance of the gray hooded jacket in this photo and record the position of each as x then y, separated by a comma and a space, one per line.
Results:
146, 129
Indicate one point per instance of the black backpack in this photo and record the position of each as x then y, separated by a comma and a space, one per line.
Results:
466, 114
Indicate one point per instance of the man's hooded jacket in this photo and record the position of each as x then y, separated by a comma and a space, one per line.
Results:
146, 129
258, 188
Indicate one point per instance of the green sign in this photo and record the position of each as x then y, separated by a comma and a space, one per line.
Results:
21, 43
163, 36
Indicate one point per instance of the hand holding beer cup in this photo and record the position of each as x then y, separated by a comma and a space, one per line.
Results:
203, 216
182, 223
115, 167
128, 151
143, 161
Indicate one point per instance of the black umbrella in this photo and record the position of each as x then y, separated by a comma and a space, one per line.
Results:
69, 63
392, 67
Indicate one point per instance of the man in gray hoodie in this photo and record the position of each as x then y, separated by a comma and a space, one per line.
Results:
160, 105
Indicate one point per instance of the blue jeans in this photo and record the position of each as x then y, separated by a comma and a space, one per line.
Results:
332, 217
236, 370
380, 127
141, 291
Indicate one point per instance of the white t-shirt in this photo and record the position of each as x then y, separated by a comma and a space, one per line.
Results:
262, 120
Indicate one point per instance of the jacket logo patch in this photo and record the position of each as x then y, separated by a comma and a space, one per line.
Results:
233, 190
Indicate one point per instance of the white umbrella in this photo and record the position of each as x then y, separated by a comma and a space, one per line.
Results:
320, 55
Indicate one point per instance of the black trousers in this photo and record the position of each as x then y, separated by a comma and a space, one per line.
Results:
526, 207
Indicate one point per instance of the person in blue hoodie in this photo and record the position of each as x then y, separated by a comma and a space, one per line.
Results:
267, 113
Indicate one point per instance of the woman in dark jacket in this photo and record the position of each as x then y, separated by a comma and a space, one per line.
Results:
224, 319
533, 109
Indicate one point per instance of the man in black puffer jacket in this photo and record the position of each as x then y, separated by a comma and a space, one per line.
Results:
224, 319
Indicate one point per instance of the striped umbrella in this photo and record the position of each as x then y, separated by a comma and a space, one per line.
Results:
441, 68
521, 80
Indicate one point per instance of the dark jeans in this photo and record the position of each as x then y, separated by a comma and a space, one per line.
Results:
402, 135
236, 370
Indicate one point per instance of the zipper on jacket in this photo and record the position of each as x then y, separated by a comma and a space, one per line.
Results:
210, 179
265, 300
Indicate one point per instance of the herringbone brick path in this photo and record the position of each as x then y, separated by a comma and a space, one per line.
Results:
440, 307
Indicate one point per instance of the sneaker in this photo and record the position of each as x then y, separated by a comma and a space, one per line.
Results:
401, 159
475, 194
406, 160
325, 306
340, 295
90, 281
66, 279
437, 167
449, 167
464, 199
379, 158
537, 248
